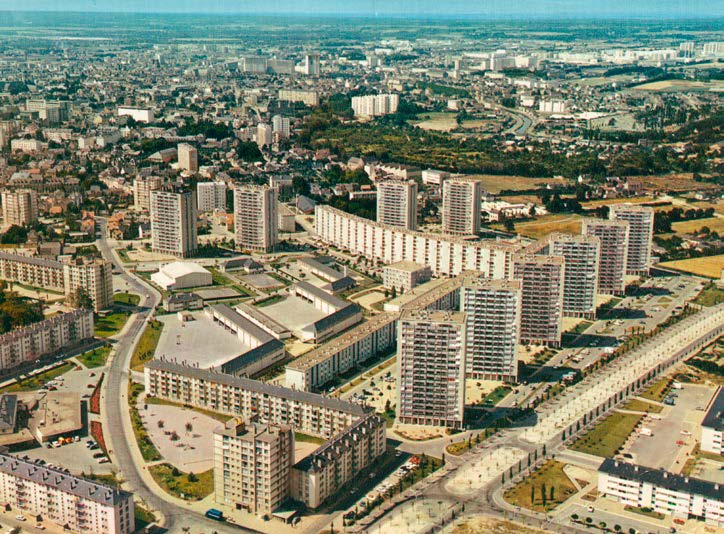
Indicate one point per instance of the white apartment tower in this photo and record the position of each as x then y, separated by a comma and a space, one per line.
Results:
173, 222
431, 365
614, 250
397, 203
252, 465
255, 217
142, 187
461, 199
210, 196
580, 286
188, 157
640, 235
264, 134
20, 207
492, 309
375, 105
311, 65
281, 126
541, 298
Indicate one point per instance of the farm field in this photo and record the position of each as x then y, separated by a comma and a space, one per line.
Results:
497, 183
680, 86
715, 224
438, 122
548, 224
709, 266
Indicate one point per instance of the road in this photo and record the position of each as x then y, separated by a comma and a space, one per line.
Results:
114, 398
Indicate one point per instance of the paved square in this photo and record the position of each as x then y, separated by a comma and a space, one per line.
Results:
261, 281
200, 341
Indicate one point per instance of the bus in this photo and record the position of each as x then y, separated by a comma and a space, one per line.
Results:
213, 513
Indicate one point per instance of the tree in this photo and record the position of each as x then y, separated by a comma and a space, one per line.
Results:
543, 494
553, 493
532, 494
175, 472
617, 528
80, 298
193, 478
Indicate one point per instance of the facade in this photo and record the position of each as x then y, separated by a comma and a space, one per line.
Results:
375, 105
20, 207
339, 314
434, 177
308, 98
580, 286
142, 187
397, 203
405, 275
492, 309
541, 313
314, 369
612, 261
27, 344
712, 426
446, 255
188, 157
173, 223
661, 491
252, 464
264, 134
137, 114
210, 196
339, 461
71, 502
640, 237
255, 217
431, 368
461, 198
281, 126
94, 276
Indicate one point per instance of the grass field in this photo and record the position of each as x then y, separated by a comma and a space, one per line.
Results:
187, 486
146, 345
711, 295
708, 266
111, 324
675, 86
549, 479
611, 201
300, 436
145, 445
548, 224
38, 381
128, 299
95, 358
497, 183
637, 405
715, 224
437, 121
657, 391
608, 436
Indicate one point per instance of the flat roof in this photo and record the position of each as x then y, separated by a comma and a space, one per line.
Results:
8, 411
321, 294
408, 266
662, 478
262, 388
242, 322
714, 417
258, 315
329, 273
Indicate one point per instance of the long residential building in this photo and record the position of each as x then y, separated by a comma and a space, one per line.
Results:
308, 98
431, 368
173, 222
355, 435
375, 105
641, 235
461, 198
20, 207
71, 502
663, 492
34, 341
492, 309
580, 285
446, 255
255, 217
94, 276
542, 298
614, 237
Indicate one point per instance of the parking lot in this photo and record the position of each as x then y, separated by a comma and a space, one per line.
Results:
675, 430
76, 457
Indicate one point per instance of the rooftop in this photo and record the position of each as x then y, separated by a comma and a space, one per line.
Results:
714, 417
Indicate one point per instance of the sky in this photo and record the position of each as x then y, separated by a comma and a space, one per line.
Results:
481, 8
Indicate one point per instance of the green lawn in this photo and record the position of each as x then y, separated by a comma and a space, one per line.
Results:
607, 437
95, 358
271, 300
300, 436
188, 486
146, 345
636, 405
145, 445
111, 324
497, 395
658, 390
128, 299
38, 381
711, 295
549, 479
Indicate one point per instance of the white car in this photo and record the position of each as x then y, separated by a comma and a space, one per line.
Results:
20, 518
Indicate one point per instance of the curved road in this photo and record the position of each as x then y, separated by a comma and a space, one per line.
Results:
119, 432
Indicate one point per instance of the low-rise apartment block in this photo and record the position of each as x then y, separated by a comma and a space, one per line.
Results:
663, 492
308, 98
405, 275
20, 207
71, 502
34, 341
